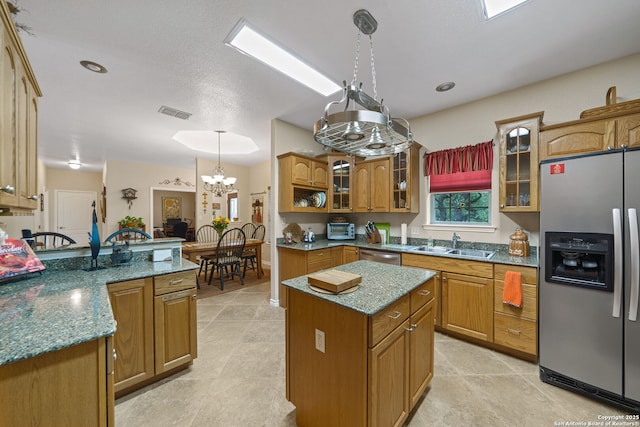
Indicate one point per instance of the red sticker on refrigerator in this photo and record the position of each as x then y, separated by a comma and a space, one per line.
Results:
556, 168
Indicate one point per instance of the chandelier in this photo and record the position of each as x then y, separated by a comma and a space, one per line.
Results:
218, 184
370, 131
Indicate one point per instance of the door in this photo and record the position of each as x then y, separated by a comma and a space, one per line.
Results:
579, 336
632, 321
74, 213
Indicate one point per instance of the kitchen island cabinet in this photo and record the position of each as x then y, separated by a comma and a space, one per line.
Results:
362, 358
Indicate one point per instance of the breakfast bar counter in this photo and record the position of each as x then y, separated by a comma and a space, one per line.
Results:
362, 357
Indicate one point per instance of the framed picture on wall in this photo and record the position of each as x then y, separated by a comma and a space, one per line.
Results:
171, 208
257, 206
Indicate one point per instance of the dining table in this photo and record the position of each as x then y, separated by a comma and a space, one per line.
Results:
192, 250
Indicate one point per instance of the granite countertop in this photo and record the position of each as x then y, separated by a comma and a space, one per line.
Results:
382, 284
501, 256
58, 309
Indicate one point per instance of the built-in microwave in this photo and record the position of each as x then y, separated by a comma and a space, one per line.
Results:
341, 231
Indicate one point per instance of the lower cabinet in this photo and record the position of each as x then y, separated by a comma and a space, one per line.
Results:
69, 387
467, 303
371, 370
517, 327
156, 327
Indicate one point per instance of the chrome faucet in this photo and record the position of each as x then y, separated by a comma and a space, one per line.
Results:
454, 240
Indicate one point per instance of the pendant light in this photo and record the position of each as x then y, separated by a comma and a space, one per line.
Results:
369, 131
218, 184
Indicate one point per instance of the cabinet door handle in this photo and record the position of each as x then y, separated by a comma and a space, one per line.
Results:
424, 293
175, 281
8, 189
396, 315
513, 331
501, 205
32, 197
194, 296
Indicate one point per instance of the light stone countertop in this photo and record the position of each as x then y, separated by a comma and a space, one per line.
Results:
58, 309
382, 284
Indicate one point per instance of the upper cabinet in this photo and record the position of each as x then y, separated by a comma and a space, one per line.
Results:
518, 148
371, 190
339, 197
19, 92
405, 180
303, 183
612, 126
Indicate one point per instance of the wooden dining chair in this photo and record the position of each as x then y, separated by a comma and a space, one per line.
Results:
128, 234
248, 229
50, 239
228, 257
205, 234
250, 256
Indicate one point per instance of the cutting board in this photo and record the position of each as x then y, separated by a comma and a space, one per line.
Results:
334, 280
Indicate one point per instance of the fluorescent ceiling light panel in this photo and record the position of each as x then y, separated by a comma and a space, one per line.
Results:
496, 7
252, 43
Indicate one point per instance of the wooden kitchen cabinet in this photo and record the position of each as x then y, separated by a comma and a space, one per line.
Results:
299, 179
339, 192
19, 92
592, 134
351, 254
293, 263
67, 387
132, 305
467, 304
517, 327
372, 184
175, 324
156, 328
405, 180
518, 163
389, 354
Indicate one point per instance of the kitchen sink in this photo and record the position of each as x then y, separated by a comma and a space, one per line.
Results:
433, 249
474, 253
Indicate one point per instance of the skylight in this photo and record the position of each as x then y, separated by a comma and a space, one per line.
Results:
496, 7
252, 43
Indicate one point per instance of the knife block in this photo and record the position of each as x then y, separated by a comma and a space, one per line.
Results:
375, 237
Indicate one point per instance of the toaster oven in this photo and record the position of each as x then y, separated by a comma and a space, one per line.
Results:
341, 231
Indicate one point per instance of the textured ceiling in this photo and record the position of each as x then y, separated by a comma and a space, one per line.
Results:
161, 52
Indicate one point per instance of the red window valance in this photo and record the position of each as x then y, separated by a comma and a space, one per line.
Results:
460, 169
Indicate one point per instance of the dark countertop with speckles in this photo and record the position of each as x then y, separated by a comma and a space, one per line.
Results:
58, 309
382, 284
501, 256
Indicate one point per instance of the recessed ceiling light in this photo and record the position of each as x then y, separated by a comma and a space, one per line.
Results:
496, 7
443, 87
93, 66
250, 42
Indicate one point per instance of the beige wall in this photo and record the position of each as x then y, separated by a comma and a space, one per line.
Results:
145, 178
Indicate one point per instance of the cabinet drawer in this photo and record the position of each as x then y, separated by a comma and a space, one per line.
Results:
174, 282
529, 307
529, 274
386, 320
516, 333
318, 260
422, 295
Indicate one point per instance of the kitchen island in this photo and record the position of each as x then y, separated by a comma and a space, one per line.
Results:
362, 358
56, 345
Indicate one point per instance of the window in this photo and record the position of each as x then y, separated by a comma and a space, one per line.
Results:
473, 208
232, 206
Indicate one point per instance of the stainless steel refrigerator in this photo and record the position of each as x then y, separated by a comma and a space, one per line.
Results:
589, 336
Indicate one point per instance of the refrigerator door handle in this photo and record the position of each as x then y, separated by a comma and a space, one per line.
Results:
617, 257
635, 268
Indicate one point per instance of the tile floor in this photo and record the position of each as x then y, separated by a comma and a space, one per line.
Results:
238, 380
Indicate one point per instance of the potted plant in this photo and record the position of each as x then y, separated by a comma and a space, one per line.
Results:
132, 222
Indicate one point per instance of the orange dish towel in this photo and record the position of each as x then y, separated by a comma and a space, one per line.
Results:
512, 292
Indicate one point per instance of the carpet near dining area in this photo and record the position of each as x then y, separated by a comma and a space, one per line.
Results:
250, 280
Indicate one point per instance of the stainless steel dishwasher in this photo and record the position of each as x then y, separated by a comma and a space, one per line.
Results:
380, 256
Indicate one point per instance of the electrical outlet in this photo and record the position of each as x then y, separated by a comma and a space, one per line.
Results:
319, 340
415, 230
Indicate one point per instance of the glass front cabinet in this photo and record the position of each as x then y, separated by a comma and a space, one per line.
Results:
405, 176
518, 162
341, 178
